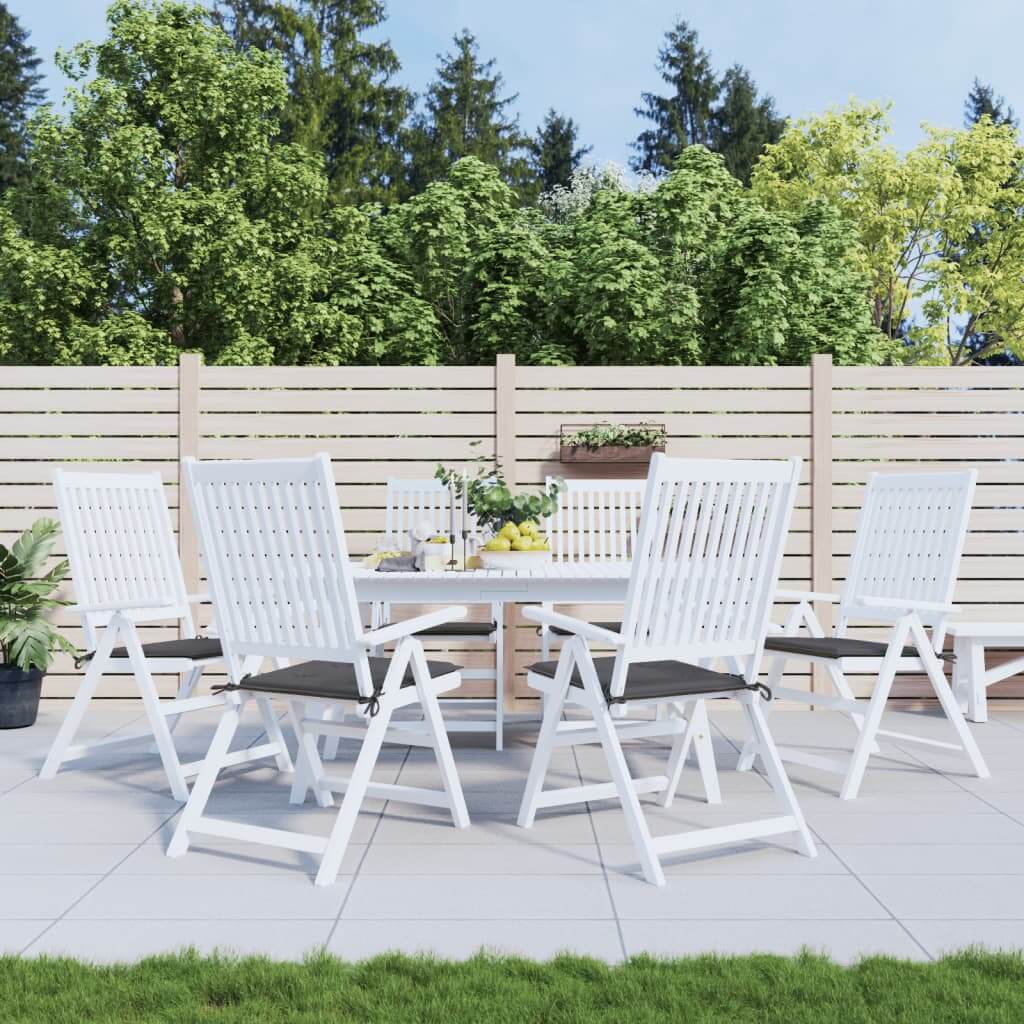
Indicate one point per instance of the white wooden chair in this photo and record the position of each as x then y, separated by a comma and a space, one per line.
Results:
705, 567
410, 502
594, 521
906, 553
275, 552
125, 566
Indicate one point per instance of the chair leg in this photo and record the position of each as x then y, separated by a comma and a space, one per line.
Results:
498, 616
157, 720
948, 702
627, 796
86, 690
872, 720
273, 729
309, 769
186, 688
750, 751
777, 777
203, 785
697, 734
442, 746
552, 705
362, 771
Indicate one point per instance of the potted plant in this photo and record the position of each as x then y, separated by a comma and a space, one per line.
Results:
510, 520
27, 638
611, 442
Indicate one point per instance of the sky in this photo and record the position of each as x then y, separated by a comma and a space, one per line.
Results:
591, 59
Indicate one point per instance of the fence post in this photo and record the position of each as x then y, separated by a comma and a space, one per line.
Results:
189, 367
505, 453
821, 495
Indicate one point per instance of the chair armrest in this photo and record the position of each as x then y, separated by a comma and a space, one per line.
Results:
907, 604
199, 598
396, 630
155, 604
808, 595
578, 627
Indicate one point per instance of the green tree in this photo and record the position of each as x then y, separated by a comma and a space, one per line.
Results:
727, 115
744, 123
20, 91
938, 230
555, 151
162, 215
466, 115
343, 102
982, 101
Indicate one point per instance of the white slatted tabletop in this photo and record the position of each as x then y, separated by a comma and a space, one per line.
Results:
597, 582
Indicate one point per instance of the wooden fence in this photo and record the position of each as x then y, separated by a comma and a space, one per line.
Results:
378, 422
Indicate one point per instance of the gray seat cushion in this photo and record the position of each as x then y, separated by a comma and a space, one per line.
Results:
456, 628
195, 649
654, 680
332, 679
612, 627
835, 647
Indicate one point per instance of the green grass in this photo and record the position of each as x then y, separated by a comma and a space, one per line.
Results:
968, 987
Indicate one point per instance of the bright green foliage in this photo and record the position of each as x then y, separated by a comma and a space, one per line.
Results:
724, 114
161, 215
342, 103
490, 499
620, 435
19, 93
968, 988
27, 639
938, 230
466, 115
555, 152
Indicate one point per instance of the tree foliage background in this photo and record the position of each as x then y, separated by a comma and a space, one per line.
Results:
255, 184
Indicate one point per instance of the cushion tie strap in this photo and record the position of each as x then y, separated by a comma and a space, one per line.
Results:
372, 702
760, 688
228, 687
81, 659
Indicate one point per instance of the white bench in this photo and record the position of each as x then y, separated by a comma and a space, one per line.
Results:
970, 676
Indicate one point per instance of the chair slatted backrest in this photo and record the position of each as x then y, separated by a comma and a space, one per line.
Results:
121, 545
910, 536
707, 560
274, 548
595, 520
410, 502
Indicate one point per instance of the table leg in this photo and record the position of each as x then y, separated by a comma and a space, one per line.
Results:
977, 702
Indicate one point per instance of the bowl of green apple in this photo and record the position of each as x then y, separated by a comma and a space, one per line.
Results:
515, 546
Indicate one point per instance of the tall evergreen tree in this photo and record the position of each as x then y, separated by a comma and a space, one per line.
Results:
725, 114
343, 101
743, 123
466, 115
554, 151
982, 100
20, 91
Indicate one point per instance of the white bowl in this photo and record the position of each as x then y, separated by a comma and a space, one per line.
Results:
513, 559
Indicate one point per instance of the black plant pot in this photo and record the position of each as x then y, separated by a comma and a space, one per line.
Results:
19, 696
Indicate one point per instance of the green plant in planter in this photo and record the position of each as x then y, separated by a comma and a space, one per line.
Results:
28, 639
605, 435
490, 499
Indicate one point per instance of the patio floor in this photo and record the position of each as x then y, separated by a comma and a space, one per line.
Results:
928, 860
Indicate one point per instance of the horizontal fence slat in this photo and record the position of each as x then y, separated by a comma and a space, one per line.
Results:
388, 377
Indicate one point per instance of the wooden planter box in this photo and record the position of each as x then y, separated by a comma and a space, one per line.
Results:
609, 453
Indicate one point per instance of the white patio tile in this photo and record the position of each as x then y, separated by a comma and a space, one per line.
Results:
844, 941
425, 827
948, 897
505, 859
211, 855
212, 897
60, 859
839, 828
966, 859
74, 827
740, 897
944, 937
126, 941
742, 859
458, 940
494, 897
41, 896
